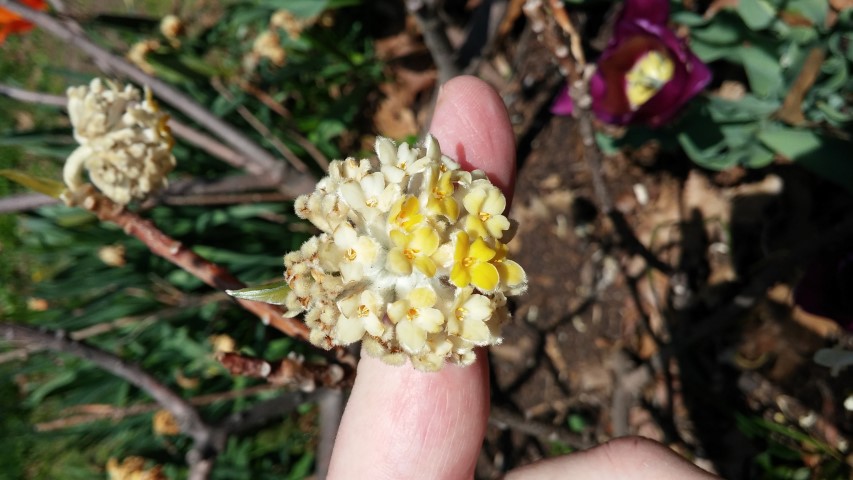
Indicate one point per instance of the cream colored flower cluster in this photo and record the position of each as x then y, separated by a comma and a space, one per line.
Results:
125, 143
412, 258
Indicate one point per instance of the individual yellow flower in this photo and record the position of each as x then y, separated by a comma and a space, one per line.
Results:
485, 205
439, 192
414, 318
471, 264
510, 272
413, 250
405, 214
360, 313
469, 316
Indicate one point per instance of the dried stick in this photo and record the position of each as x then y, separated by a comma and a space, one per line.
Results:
96, 412
185, 414
425, 13
174, 251
259, 127
260, 162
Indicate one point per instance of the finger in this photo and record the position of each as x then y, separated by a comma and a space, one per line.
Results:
627, 458
400, 423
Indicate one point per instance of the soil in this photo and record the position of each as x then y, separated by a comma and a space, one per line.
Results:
670, 315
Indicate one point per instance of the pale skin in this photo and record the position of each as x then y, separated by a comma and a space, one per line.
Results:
400, 423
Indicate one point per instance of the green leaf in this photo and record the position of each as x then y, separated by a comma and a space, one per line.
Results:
308, 8
814, 10
825, 156
47, 186
725, 29
836, 359
762, 69
756, 14
273, 292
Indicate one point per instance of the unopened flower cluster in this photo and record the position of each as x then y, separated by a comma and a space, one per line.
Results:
125, 143
412, 258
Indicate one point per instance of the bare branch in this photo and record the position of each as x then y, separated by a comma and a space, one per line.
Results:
174, 251
260, 161
425, 13
185, 414
259, 127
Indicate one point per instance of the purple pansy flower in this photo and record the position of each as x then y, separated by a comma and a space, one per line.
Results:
646, 73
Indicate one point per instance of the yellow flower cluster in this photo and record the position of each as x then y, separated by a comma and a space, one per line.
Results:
125, 143
412, 258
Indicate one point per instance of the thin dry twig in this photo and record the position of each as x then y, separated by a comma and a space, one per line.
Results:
179, 254
83, 414
260, 162
503, 418
259, 127
186, 415
425, 13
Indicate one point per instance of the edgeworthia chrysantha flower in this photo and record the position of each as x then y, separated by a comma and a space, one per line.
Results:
411, 258
125, 143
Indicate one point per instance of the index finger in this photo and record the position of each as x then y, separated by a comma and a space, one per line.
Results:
401, 423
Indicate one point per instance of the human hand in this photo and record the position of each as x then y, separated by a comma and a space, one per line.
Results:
401, 423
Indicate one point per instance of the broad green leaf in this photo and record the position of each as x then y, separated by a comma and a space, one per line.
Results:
836, 359
47, 186
762, 70
756, 14
273, 292
814, 10
712, 156
825, 156
725, 29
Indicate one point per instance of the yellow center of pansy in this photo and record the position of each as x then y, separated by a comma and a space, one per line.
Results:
648, 75
350, 254
363, 311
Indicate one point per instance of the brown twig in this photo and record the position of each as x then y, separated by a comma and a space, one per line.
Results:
259, 127
185, 414
503, 418
105, 327
292, 371
425, 13
260, 162
180, 255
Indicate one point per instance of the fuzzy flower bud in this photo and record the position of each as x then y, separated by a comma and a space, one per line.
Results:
412, 258
125, 143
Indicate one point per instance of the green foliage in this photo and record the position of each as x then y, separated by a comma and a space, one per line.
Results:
766, 45
63, 269
784, 447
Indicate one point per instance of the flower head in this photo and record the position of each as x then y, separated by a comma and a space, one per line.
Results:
646, 74
12, 23
125, 143
410, 259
